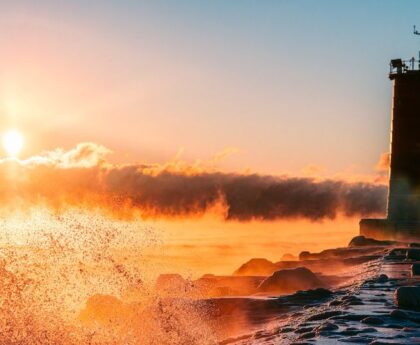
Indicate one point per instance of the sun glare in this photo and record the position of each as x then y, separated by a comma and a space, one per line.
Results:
12, 142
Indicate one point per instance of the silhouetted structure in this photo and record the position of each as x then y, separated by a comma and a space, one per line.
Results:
403, 213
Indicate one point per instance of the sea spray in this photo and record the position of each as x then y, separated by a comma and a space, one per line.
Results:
74, 278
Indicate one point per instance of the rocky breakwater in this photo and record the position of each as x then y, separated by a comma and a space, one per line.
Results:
380, 305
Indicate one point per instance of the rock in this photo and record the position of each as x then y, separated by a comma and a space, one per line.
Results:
325, 315
360, 241
413, 254
301, 330
414, 245
290, 280
372, 320
415, 269
256, 267
305, 255
327, 326
368, 330
350, 332
170, 282
352, 317
289, 257
314, 294
382, 278
398, 252
307, 297
352, 300
102, 309
408, 297
308, 335
286, 330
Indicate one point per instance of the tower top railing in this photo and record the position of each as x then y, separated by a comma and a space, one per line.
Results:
399, 66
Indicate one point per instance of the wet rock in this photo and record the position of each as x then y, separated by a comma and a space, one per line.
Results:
368, 330
413, 254
352, 317
256, 266
170, 282
415, 269
378, 300
286, 330
325, 315
313, 294
301, 330
288, 257
398, 314
372, 320
397, 254
383, 278
352, 300
360, 241
327, 326
290, 280
308, 335
350, 332
304, 255
408, 297
261, 334
335, 303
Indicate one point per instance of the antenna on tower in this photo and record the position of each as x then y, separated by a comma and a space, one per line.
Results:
416, 32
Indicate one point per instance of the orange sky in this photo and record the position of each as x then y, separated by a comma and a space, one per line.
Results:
198, 89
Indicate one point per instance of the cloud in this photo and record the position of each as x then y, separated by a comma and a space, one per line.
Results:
384, 162
82, 177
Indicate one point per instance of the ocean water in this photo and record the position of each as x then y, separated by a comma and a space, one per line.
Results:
78, 277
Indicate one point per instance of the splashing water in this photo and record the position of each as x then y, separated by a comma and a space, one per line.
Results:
79, 278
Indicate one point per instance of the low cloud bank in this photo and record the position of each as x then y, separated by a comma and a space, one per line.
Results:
82, 177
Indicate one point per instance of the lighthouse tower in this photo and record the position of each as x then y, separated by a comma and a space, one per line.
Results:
403, 212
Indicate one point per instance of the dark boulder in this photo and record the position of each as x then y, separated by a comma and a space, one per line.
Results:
415, 269
413, 254
290, 280
382, 278
372, 320
408, 297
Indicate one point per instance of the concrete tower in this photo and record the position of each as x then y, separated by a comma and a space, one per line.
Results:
403, 213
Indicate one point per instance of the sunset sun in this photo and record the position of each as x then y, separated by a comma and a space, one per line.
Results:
12, 142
